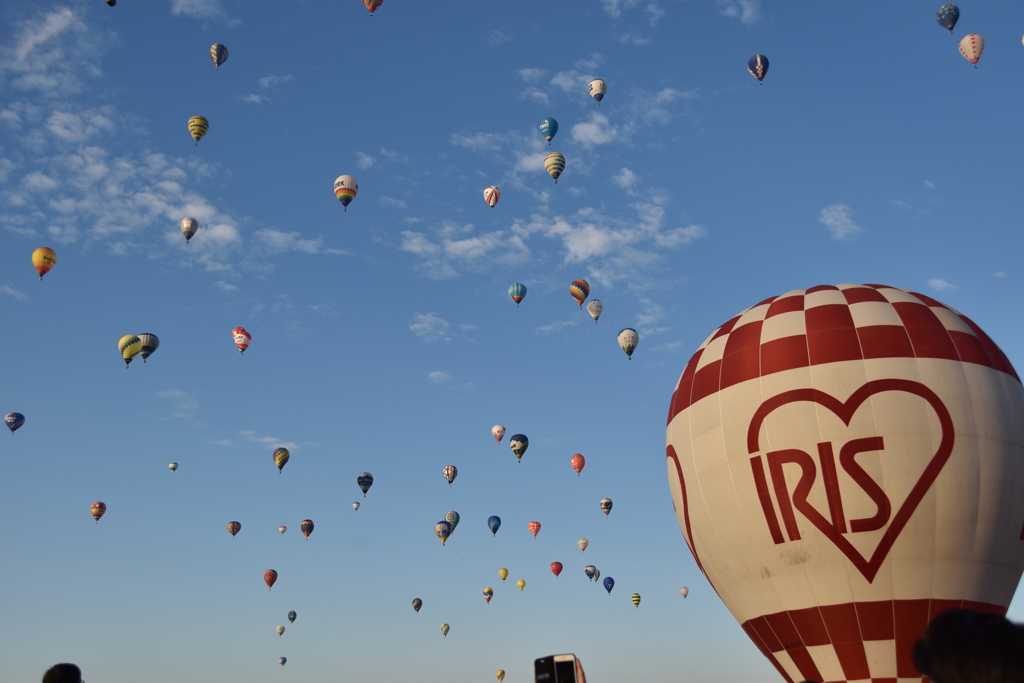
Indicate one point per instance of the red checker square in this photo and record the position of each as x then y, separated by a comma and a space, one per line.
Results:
831, 335
766, 301
810, 626
841, 622
741, 359
911, 620
856, 295
970, 349
853, 659
783, 627
999, 359
784, 354
927, 333
681, 397
887, 680
929, 301
885, 341
876, 620
765, 634
752, 633
705, 382
786, 305
724, 329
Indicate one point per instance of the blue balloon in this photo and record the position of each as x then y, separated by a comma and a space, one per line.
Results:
494, 521
758, 67
548, 128
947, 16
609, 584
517, 292
291, 617
13, 421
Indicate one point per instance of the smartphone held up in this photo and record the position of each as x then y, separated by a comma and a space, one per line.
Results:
558, 669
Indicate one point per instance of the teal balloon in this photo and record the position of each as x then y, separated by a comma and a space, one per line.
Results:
452, 517
548, 128
517, 292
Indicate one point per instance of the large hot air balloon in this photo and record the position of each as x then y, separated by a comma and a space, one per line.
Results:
534, 528
443, 529
280, 631
500, 673
855, 472
219, 54
971, 47
98, 510
189, 227
758, 67
498, 431
594, 308
197, 127
173, 467
355, 506
491, 196
493, 522
234, 528
554, 164
282, 660
364, 480
14, 421
444, 627
598, 88
306, 527
556, 568
416, 604
150, 343
129, 345
488, 594
372, 5
242, 339
281, 456
580, 290
345, 189
577, 461
583, 543
628, 339
519, 444
291, 616
450, 472
452, 517
609, 583
606, 506
43, 259
517, 292
947, 16
270, 577
548, 128
521, 583
590, 570
684, 591
503, 573
636, 599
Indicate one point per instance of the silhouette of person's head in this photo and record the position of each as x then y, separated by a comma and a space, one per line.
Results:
961, 646
63, 673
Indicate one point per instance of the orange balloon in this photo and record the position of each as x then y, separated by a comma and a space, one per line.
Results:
578, 461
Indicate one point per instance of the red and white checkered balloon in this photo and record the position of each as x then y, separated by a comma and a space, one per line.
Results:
846, 463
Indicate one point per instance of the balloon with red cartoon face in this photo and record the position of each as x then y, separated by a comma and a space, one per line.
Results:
846, 462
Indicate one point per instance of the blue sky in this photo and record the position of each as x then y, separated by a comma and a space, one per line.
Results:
383, 337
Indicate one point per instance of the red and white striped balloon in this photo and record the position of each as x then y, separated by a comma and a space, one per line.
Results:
971, 48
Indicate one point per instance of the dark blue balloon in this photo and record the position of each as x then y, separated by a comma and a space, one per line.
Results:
291, 617
947, 16
494, 521
14, 420
758, 67
609, 584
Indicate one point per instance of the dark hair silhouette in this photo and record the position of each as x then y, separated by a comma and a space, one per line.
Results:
63, 673
961, 646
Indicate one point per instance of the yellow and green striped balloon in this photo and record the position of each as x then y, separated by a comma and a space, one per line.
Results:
554, 163
129, 345
197, 127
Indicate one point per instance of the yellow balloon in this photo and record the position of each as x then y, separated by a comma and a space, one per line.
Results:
521, 584
503, 573
500, 673
129, 345
43, 259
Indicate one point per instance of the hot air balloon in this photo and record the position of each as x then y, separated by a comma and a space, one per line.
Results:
270, 577
971, 47
590, 570
242, 339
282, 660
452, 517
606, 505
594, 308
947, 16
556, 568
129, 345
580, 290
498, 432
554, 164
173, 467
150, 343
488, 594
758, 67
219, 54
628, 339
500, 673
597, 89
291, 616
863, 468
355, 505
534, 528
684, 591
111, 2
583, 543
98, 510
416, 604
197, 127
450, 472
372, 5
577, 461
189, 227
503, 573
444, 627
443, 529
636, 599
234, 528
597, 573
548, 128
44, 258
306, 527
609, 584
493, 522
14, 421
518, 293
282, 529
519, 444
491, 196
345, 189
364, 480
280, 631
281, 456
521, 584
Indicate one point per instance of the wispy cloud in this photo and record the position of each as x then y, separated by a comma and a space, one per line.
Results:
439, 377
453, 246
271, 442
747, 11
496, 38
555, 326
272, 80
1000, 274
940, 285
596, 130
202, 9
392, 202
634, 39
11, 292
429, 327
364, 161
254, 98
837, 218
183, 405
280, 241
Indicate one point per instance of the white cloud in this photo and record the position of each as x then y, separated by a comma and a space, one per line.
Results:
535, 94
940, 285
279, 241
272, 80
254, 98
633, 39
479, 142
429, 327
71, 127
454, 247
626, 179
225, 287
38, 182
651, 313
929, 185
838, 221
439, 377
555, 326
616, 7
182, 404
271, 442
571, 81
496, 38
531, 75
747, 11
364, 161
999, 274
392, 202
595, 131
202, 9
10, 291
